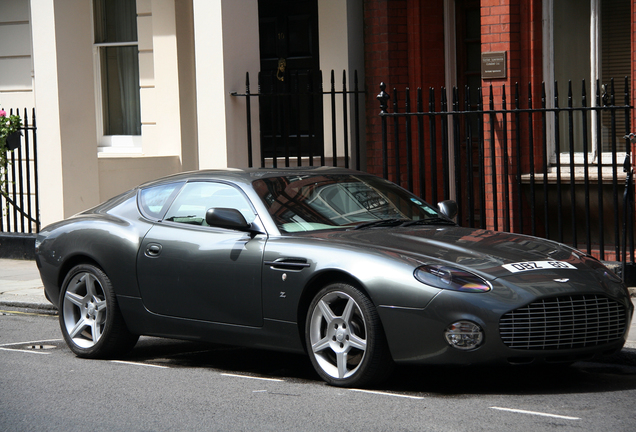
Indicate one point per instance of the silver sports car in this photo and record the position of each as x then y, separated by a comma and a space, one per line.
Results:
343, 265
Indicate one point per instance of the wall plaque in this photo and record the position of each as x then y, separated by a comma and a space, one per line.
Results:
493, 65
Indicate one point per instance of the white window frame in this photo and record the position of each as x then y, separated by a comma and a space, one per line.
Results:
109, 144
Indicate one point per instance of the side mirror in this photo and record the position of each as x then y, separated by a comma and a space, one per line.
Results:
448, 208
226, 218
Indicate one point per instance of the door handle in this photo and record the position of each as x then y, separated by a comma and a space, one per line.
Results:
153, 249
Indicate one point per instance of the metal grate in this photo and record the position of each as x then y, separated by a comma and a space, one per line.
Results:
564, 323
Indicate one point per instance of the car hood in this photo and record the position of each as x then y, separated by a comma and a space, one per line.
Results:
482, 251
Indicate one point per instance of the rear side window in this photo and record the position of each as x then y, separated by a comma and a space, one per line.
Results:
153, 201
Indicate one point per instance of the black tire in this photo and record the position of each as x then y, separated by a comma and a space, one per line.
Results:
345, 339
91, 322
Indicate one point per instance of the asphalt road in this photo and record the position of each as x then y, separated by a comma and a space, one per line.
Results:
175, 385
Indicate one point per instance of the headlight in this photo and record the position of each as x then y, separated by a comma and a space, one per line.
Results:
609, 274
605, 272
451, 278
464, 335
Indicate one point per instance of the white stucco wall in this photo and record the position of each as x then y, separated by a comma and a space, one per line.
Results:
16, 82
168, 100
193, 54
341, 41
187, 84
64, 95
119, 174
226, 46
166, 138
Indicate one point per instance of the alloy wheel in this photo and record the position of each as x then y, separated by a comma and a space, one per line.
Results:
84, 310
338, 335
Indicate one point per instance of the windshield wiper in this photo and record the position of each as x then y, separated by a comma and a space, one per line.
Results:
380, 222
429, 221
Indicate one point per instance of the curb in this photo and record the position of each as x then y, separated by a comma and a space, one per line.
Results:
17, 246
41, 308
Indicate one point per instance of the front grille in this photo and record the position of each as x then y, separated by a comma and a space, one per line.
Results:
564, 323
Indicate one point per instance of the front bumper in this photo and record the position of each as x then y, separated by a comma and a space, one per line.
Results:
416, 336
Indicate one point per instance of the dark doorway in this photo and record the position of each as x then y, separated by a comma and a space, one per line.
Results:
468, 61
468, 25
290, 83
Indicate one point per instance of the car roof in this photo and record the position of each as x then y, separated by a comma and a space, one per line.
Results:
248, 175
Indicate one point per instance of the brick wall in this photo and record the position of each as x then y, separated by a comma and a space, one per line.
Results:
385, 61
404, 47
513, 26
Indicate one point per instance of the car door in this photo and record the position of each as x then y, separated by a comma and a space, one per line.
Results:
188, 269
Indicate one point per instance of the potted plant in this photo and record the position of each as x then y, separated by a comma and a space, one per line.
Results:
9, 140
9, 131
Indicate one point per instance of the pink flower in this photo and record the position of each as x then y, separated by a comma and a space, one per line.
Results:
3, 113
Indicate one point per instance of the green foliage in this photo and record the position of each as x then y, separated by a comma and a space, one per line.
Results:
8, 124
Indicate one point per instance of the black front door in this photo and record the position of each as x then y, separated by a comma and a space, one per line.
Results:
468, 39
291, 105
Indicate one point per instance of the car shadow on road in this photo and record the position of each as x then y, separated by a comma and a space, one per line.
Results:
224, 358
613, 373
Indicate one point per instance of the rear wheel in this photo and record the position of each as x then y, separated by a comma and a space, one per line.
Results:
90, 319
345, 339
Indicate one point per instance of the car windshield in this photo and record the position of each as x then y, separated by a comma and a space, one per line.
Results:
319, 202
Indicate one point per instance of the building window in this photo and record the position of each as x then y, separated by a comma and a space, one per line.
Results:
591, 41
117, 58
615, 60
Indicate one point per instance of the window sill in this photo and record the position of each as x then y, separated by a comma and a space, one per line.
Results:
579, 177
120, 145
105, 152
606, 158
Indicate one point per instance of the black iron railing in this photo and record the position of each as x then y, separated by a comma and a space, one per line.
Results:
292, 125
551, 171
19, 201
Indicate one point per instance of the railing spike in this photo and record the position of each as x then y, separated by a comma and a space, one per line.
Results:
383, 97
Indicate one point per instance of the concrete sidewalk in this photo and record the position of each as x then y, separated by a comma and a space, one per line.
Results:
21, 288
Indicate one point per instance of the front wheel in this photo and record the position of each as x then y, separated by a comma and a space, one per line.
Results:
91, 323
345, 339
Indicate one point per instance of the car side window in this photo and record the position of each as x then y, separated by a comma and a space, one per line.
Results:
196, 198
153, 200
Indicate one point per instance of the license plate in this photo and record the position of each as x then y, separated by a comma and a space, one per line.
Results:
537, 265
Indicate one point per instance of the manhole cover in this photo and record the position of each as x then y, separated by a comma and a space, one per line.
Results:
39, 347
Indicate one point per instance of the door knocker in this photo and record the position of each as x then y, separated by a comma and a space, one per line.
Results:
280, 73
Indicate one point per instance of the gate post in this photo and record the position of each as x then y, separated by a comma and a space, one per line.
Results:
384, 97
628, 214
